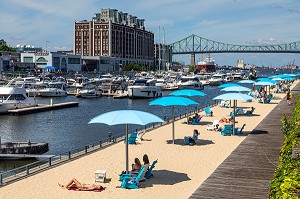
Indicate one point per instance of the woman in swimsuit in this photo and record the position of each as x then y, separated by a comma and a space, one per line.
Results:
81, 186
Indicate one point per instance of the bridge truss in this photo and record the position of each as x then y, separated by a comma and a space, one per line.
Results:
195, 44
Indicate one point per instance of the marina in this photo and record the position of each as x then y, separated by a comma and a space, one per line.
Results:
209, 141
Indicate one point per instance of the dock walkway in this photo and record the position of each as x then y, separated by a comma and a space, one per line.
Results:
248, 170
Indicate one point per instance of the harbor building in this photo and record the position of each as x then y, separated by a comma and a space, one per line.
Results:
61, 61
113, 39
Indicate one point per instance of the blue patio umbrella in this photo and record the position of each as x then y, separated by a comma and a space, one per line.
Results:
235, 97
49, 68
173, 101
228, 85
246, 81
187, 92
236, 88
289, 79
126, 117
264, 83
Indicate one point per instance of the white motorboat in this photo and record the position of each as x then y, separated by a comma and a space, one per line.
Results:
14, 98
217, 79
190, 82
143, 88
203, 78
54, 89
89, 92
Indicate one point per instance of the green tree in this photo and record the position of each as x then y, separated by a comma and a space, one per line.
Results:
6, 48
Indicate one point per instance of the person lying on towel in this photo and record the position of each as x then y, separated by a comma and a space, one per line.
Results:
81, 186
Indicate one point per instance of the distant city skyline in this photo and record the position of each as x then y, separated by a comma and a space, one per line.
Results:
242, 22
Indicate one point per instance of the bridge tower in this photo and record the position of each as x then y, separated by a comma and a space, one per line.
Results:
193, 59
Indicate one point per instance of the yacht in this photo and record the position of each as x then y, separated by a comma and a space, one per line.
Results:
143, 88
217, 79
203, 78
190, 82
89, 92
14, 98
54, 89
228, 77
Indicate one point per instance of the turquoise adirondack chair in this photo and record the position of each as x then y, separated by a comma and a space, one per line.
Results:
207, 111
227, 131
132, 138
249, 113
131, 182
149, 172
239, 132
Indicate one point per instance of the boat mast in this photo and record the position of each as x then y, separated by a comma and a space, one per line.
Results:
159, 55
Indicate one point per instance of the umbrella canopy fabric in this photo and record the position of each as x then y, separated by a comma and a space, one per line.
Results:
236, 88
173, 101
227, 85
246, 81
126, 117
49, 68
289, 79
263, 83
187, 92
233, 96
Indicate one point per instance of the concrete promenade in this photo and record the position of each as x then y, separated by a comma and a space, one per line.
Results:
248, 170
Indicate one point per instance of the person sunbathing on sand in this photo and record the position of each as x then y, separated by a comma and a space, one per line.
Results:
80, 186
227, 120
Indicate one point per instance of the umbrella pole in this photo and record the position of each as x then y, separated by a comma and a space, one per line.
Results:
233, 126
173, 118
126, 150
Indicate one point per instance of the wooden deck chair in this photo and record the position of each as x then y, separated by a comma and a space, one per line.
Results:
131, 182
149, 172
249, 113
239, 132
131, 138
213, 126
227, 130
207, 111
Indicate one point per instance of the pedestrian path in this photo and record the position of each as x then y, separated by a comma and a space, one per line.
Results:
248, 170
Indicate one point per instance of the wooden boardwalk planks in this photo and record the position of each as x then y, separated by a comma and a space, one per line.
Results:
248, 170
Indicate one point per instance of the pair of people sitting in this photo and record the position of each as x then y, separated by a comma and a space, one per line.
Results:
196, 119
136, 166
190, 140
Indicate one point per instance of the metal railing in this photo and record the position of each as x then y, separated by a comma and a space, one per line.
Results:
47, 163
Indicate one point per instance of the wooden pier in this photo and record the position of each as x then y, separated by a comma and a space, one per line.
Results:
249, 169
42, 108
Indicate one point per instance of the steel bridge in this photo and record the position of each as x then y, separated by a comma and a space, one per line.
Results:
194, 44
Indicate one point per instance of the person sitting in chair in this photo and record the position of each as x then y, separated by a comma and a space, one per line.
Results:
196, 118
136, 167
191, 140
81, 186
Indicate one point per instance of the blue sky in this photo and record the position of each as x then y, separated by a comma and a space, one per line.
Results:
247, 22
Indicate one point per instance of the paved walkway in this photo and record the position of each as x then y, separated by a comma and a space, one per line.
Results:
247, 172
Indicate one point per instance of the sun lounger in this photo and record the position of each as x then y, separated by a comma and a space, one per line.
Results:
149, 172
213, 126
131, 138
239, 132
227, 130
208, 111
131, 182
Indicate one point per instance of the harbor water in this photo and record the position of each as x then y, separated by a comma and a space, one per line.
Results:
68, 129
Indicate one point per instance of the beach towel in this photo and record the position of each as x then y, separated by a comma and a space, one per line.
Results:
76, 189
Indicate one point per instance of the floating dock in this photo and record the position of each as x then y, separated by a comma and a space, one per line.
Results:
42, 108
17, 150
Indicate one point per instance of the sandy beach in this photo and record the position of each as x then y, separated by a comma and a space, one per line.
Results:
179, 171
